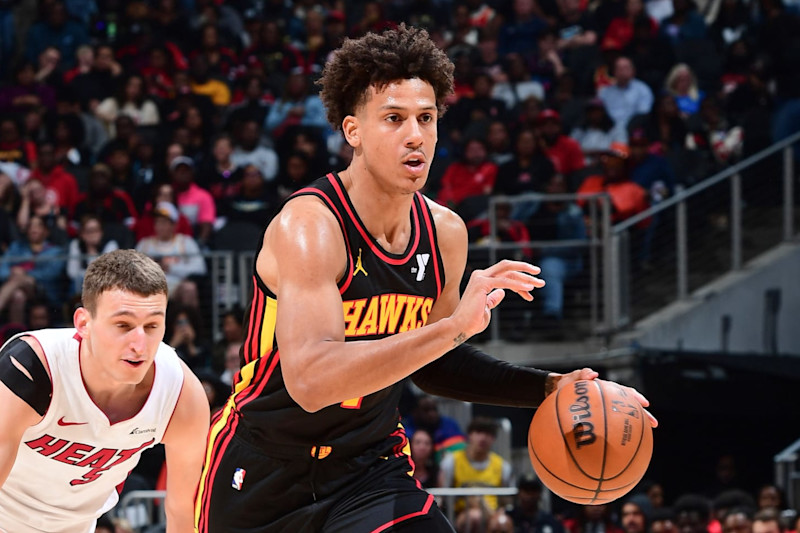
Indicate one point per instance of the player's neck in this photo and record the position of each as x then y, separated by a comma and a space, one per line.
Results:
385, 214
118, 401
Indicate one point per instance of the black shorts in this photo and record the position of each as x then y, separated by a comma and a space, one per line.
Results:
246, 490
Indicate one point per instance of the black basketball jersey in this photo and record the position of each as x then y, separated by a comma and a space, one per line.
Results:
382, 294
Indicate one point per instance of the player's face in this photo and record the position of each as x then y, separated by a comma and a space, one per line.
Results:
394, 133
123, 335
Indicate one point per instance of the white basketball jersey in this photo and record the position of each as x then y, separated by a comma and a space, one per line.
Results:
70, 466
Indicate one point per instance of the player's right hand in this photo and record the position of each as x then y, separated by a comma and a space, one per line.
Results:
486, 289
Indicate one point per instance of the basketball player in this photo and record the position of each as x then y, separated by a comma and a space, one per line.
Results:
356, 289
81, 404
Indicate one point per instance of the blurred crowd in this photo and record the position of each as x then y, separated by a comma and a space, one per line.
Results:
178, 126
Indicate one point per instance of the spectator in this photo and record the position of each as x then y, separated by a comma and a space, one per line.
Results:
627, 198
477, 464
481, 107
592, 518
692, 513
92, 133
26, 93
685, 24
48, 69
768, 520
17, 153
203, 84
620, 32
253, 104
711, 132
558, 220
37, 202
232, 362
157, 73
84, 57
467, 184
182, 332
255, 201
530, 169
85, 248
194, 202
102, 199
520, 32
682, 85
498, 141
132, 101
652, 54
597, 132
221, 60
426, 469
564, 152
770, 497
506, 230
145, 225
296, 175
517, 85
58, 182
67, 135
232, 335
38, 314
650, 170
221, 176
295, 107
447, 435
249, 150
664, 126
636, 514
576, 28
30, 265
178, 254
526, 514
738, 520
548, 63
99, 83
664, 521
56, 30
628, 96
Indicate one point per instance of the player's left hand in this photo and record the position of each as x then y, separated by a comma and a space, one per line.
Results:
589, 374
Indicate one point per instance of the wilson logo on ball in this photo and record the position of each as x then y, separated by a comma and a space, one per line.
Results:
582, 426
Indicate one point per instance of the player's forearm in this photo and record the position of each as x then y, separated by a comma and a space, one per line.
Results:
180, 519
330, 372
469, 375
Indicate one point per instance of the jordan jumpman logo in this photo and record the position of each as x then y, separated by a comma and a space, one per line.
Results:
359, 266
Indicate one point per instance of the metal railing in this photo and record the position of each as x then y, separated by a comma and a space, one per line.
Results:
701, 233
592, 276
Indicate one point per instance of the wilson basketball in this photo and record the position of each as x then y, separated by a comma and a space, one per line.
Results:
590, 442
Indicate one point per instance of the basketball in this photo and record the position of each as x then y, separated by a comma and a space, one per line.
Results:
590, 442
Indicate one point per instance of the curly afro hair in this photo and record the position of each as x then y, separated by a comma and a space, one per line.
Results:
377, 60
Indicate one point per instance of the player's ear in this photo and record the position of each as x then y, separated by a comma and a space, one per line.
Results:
350, 131
81, 319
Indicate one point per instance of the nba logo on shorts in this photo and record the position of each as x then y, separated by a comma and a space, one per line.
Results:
238, 478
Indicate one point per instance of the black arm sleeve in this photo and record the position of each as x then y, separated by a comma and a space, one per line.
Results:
465, 373
35, 390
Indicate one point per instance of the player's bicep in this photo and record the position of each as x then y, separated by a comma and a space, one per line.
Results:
25, 390
309, 258
24, 376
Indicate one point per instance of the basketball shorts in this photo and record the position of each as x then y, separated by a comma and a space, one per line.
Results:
251, 490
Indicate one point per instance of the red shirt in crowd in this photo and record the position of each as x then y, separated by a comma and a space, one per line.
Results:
566, 155
461, 181
61, 183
